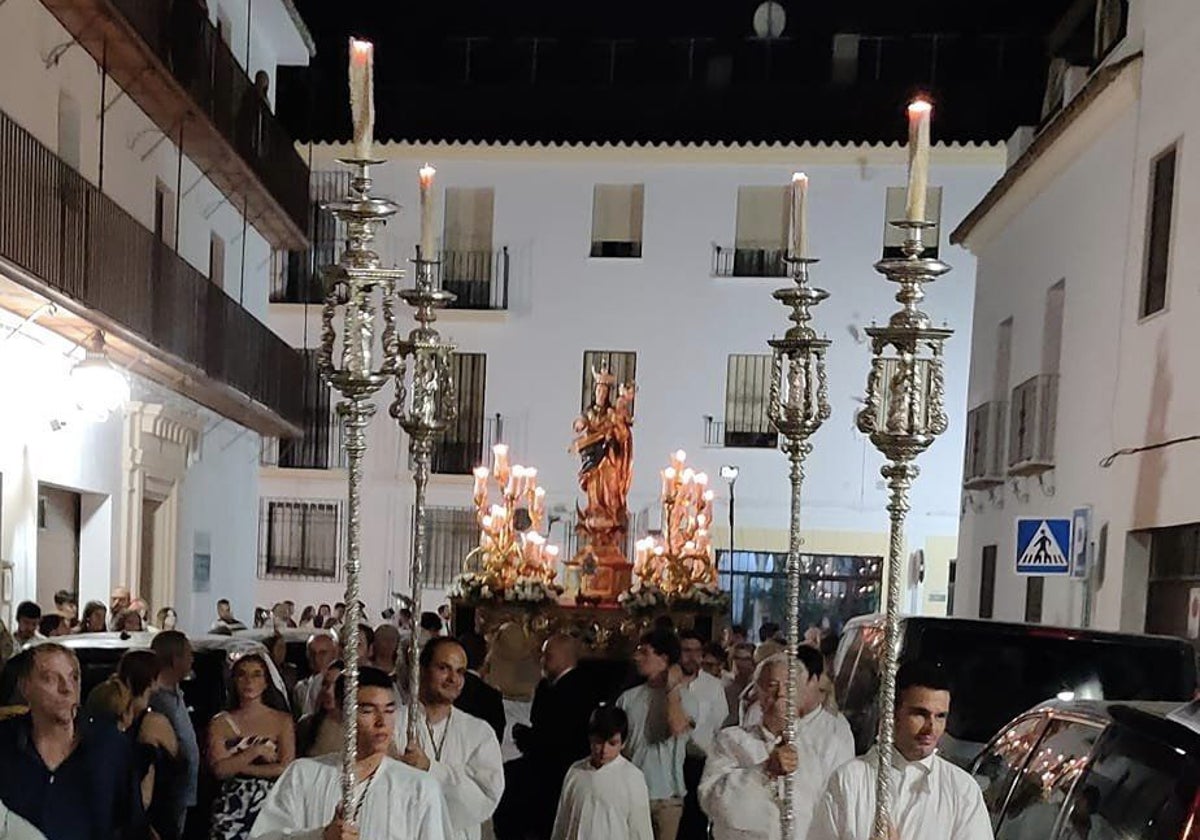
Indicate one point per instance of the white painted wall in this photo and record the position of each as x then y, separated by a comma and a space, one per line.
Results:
1125, 382
220, 493
682, 322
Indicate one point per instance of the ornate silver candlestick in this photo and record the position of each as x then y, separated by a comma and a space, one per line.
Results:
799, 405
361, 288
903, 415
425, 405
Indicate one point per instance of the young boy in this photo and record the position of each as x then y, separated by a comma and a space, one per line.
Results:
604, 795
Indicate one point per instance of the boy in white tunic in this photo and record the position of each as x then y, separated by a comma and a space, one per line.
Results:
604, 796
396, 802
931, 798
457, 749
742, 787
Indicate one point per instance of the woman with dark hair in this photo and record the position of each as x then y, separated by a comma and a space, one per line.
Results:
307, 615
157, 750
321, 732
95, 618
324, 614
249, 746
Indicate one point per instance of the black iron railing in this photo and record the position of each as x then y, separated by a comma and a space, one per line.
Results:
188, 45
748, 262
57, 226
300, 281
478, 278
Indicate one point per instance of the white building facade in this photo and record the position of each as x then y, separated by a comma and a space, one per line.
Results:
650, 259
1086, 288
112, 226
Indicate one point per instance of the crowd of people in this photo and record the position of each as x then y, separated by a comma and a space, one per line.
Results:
695, 747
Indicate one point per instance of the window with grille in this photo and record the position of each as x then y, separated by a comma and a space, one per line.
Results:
1158, 233
893, 237
450, 535
760, 242
467, 236
617, 220
747, 392
621, 364
460, 449
300, 538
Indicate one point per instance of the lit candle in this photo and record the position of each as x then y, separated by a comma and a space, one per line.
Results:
500, 463
919, 112
799, 215
362, 96
481, 477
425, 176
678, 458
668, 479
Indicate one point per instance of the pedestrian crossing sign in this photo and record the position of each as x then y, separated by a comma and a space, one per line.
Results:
1043, 546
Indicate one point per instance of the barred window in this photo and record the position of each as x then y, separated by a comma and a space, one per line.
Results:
621, 364
747, 392
460, 449
300, 538
451, 534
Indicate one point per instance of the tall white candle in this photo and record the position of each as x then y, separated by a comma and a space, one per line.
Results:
919, 112
362, 96
425, 176
799, 243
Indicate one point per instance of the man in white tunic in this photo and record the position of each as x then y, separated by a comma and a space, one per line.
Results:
742, 787
604, 796
709, 693
931, 798
661, 719
457, 749
396, 802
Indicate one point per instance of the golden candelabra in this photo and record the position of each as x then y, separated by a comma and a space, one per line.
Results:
511, 547
683, 558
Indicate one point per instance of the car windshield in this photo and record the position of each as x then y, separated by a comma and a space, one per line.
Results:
997, 676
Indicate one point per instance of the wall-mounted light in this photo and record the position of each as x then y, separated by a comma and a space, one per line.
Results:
97, 386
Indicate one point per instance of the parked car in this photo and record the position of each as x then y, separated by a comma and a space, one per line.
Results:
1000, 669
1090, 770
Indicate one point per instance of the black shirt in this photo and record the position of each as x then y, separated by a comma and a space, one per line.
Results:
93, 795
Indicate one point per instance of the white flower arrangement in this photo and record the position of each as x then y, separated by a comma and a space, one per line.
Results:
475, 587
643, 597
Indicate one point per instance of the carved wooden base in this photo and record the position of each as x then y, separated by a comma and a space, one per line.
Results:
605, 631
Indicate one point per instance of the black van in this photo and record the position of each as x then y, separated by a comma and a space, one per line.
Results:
1000, 669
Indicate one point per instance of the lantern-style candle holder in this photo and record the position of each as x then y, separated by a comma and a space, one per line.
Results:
903, 414
425, 405
799, 404
358, 292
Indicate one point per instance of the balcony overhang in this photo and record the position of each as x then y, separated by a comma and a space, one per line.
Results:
101, 29
23, 294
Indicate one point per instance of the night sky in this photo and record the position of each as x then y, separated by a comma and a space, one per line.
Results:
674, 71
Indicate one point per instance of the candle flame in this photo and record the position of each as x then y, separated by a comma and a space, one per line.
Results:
680, 455
482, 472
919, 106
552, 551
799, 177
425, 175
360, 46
500, 449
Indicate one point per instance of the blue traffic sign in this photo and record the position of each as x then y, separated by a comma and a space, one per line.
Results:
1043, 546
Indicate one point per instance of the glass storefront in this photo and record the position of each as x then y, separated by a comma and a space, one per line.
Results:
834, 588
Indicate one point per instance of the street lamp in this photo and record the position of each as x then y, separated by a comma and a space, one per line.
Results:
730, 472
99, 387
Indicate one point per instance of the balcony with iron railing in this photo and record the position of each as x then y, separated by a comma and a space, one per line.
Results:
479, 279
320, 448
62, 239
457, 454
171, 61
753, 435
748, 262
